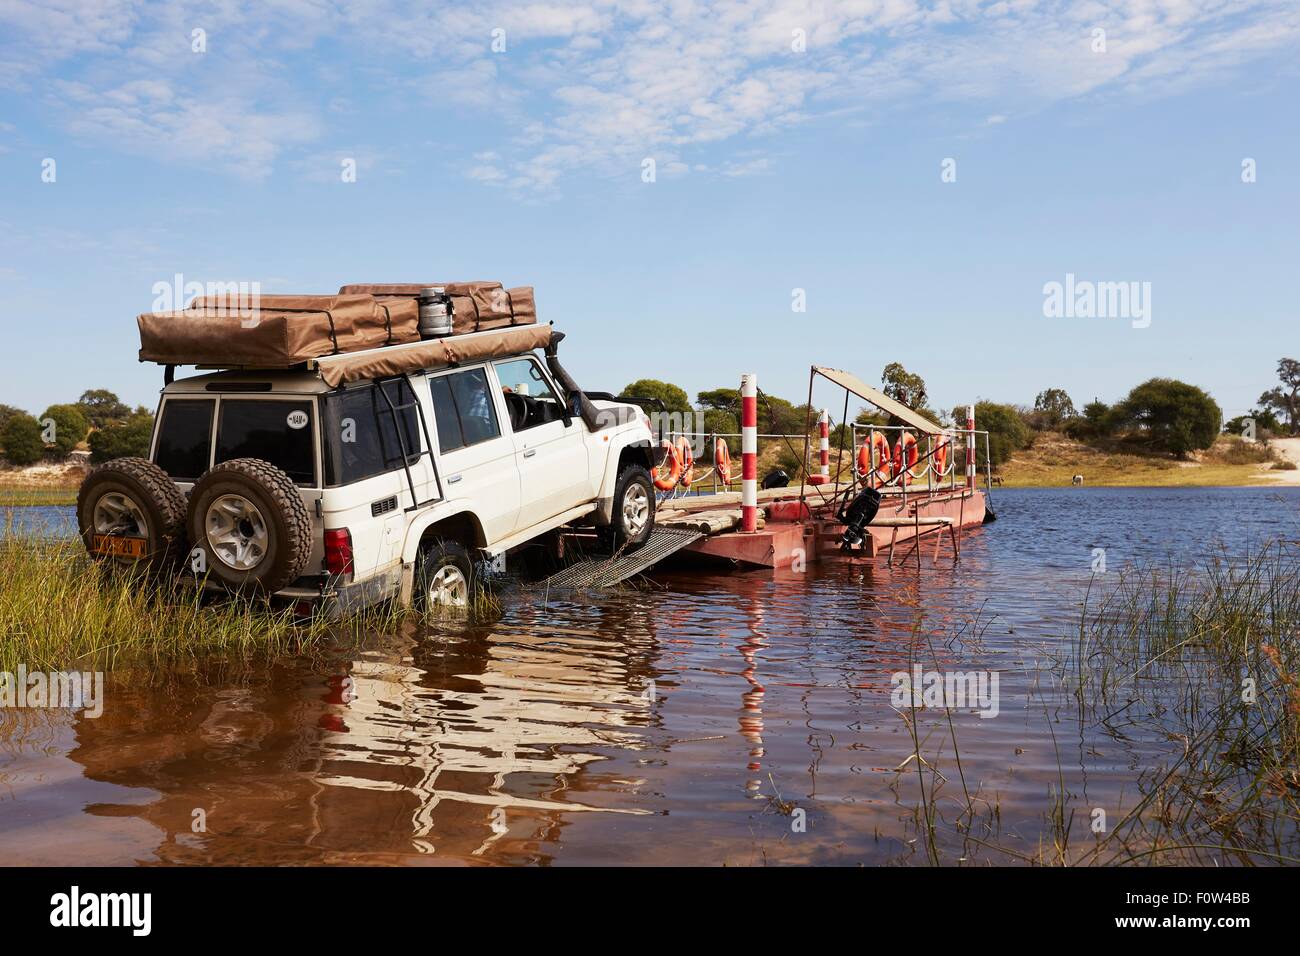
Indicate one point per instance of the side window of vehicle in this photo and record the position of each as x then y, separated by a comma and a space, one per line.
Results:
278, 432
530, 400
463, 407
185, 438
361, 437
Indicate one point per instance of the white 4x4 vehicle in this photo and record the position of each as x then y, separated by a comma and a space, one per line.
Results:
275, 483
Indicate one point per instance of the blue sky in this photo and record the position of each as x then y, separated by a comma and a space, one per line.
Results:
775, 169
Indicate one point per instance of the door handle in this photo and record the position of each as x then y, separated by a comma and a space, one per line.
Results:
530, 453
454, 478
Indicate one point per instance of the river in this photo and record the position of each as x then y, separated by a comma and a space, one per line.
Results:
706, 718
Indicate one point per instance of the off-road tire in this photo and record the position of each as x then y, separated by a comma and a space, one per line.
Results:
437, 555
618, 534
157, 499
284, 520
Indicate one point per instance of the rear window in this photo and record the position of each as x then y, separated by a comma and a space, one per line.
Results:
185, 438
361, 438
278, 432
462, 405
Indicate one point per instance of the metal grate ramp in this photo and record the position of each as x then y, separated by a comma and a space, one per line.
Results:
605, 572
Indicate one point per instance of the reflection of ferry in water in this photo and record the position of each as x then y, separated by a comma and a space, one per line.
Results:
449, 747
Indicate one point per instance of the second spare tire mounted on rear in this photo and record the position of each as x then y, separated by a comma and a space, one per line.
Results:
129, 511
248, 518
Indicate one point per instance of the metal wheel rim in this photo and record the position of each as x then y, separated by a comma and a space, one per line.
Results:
117, 513
636, 509
448, 587
237, 532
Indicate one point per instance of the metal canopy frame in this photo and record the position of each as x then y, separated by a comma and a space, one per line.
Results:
855, 386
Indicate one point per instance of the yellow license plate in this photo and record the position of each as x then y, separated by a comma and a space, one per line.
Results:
118, 546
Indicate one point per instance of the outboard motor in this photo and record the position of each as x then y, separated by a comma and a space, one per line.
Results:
776, 479
856, 515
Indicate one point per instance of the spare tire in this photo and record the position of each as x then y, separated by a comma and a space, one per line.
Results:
248, 519
130, 512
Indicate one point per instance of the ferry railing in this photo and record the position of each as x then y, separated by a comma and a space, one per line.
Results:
906, 477
711, 439
935, 480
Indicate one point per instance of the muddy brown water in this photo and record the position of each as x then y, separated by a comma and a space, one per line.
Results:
710, 718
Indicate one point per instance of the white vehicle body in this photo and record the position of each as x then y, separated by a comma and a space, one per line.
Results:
472, 473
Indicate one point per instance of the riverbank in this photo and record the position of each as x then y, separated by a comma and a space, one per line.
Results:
1053, 460
47, 483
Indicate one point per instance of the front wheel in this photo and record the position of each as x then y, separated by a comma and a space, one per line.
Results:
633, 518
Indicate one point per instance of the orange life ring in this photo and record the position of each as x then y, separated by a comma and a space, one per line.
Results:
941, 456
673, 462
864, 459
906, 445
688, 460
722, 460
880, 452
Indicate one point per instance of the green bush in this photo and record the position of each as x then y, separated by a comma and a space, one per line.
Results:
21, 439
1007, 430
70, 427
1171, 415
130, 438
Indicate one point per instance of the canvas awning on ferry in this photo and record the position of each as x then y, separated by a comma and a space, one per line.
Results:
878, 398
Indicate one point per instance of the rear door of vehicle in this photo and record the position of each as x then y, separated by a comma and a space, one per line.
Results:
476, 455
551, 453
368, 489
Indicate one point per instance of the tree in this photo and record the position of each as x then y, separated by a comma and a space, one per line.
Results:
723, 399
123, 439
100, 406
903, 386
909, 389
1285, 399
1053, 406
776, 416
70, 427
1264, 422
22, 442
7, 412
1007, 430
1172, 415
674, 399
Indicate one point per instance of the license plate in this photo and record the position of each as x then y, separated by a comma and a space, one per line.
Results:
118, 546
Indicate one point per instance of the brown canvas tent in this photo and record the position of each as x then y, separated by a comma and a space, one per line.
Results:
280, 331
476, 306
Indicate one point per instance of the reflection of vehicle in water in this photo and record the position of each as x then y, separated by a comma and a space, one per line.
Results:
494, 748
482, 742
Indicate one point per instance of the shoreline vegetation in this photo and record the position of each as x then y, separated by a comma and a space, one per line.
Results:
1051, 462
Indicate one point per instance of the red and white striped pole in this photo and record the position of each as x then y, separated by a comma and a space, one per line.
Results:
749, 452
970, 447
823, 475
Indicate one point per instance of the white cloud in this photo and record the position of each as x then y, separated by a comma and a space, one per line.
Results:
595, 86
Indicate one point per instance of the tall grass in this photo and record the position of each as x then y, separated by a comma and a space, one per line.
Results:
1205, 657
1200, 663
59, 610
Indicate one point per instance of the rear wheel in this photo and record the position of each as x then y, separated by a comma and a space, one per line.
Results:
248, 519
129, 512
633, 518
445, 577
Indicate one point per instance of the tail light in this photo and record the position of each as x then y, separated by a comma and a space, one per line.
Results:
338, 550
